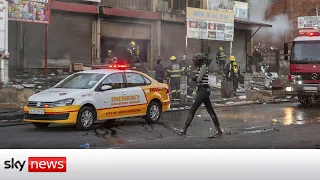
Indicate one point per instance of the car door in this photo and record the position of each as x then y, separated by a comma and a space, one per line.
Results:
110, 101
138, 103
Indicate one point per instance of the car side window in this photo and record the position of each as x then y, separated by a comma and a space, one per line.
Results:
134, 79
148, 82
114, 80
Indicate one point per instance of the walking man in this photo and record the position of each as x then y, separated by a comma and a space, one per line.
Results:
203, 95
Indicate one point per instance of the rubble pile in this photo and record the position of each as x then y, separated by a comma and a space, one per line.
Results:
35, 80
259, 95
15, 97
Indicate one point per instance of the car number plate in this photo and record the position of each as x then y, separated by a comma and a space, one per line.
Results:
36, 111
310, 88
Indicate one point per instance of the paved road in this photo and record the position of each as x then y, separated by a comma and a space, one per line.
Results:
245, 127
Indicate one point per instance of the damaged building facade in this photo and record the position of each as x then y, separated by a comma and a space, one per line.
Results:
84, 31
293, 9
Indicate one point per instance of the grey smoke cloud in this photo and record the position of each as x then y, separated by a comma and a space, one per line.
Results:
279, 22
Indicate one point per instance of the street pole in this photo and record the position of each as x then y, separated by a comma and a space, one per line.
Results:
317, 10
46, 53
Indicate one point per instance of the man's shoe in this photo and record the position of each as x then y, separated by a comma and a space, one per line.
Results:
180, 132
216, 135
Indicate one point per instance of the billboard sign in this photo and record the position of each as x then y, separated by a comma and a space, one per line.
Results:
210, 24
36, 11
241, 10
307, 22
220, 5
3, 27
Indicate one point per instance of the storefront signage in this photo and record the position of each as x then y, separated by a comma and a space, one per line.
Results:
36, 11
240, 10
220, 5
210, 24
308, 22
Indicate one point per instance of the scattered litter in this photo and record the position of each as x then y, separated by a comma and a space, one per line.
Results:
84, 146
17, 87
207, 120
275, 121
28, 85
130, 141
242, 97
199, 116
211, 129
259, 131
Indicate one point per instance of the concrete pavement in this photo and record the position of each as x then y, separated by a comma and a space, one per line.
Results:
245, 127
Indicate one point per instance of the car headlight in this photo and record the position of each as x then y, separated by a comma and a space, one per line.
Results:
64, 102
297, 79
290, 89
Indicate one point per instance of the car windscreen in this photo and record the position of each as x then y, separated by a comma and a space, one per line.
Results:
305, 52
80, 81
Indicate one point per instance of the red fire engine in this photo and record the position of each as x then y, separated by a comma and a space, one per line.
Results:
304, 77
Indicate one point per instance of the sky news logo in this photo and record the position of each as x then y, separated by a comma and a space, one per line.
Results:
38, 164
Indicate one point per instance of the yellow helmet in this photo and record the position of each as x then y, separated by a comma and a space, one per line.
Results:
133, 43
220, 49
232, 58
172, 58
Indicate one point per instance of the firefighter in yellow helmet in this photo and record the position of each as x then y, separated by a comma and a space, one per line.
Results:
221, 59
174, 72
132, 54
232, 73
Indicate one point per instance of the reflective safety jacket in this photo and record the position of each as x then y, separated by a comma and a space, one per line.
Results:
232, 71
174, 70
221, 56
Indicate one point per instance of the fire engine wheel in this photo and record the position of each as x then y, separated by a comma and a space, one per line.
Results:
305, 100
153, 112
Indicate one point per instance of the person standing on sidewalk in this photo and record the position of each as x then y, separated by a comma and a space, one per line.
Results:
221, 59
160, 72
174, 72
203, 95
232, 73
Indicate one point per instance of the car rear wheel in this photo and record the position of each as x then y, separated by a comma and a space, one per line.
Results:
86, 118
40, 125
153, 112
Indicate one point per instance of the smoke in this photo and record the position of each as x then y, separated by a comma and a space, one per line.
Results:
280, 23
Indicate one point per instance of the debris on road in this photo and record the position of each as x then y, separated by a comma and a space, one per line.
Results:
84, 146
275, 121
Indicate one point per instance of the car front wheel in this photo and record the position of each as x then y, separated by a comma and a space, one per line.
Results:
86, 118
153, 112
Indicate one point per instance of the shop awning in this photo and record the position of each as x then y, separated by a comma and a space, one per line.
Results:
245, 24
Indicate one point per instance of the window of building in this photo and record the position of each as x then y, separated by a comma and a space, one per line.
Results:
194, 3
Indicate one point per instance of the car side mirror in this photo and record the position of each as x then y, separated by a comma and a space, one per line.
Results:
105, 87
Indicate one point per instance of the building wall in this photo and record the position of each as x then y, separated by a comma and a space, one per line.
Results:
294, 9
144, 5
69, 41
173, 42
